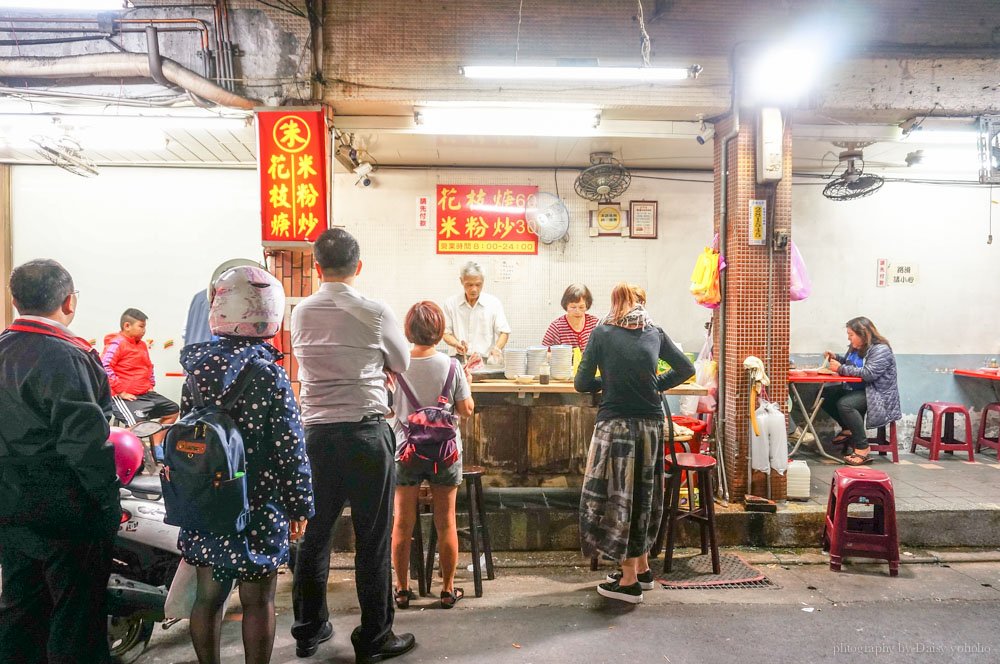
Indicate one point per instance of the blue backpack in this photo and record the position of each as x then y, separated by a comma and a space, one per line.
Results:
204, 464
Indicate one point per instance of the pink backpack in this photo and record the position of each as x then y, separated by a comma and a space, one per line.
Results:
430, 431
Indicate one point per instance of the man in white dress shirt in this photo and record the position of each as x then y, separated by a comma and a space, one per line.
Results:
475, 321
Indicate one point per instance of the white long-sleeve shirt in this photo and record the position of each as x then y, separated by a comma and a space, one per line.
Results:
343, 342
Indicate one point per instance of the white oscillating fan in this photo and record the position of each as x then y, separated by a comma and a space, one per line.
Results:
547, 217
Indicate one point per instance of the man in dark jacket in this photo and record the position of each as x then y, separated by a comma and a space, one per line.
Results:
59, 508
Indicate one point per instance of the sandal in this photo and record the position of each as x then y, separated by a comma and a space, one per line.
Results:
858, 459
841, 437
402, 597
449, 600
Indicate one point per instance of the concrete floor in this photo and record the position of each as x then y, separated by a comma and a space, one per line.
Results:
542, 608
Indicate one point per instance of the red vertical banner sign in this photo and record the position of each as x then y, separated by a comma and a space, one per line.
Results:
484, 219
292, 164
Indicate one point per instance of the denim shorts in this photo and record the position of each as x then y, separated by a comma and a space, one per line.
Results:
410, 476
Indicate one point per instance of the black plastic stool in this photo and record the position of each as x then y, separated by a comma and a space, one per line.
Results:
478, 531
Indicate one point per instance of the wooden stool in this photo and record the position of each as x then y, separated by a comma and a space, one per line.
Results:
478, 530
885, 442
417, 568
942, 436
982, 440
702, 466
871, 537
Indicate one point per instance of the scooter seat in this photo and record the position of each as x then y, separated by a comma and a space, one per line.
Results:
147, 485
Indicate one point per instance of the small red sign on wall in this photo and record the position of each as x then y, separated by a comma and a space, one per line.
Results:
292, 164
484, 219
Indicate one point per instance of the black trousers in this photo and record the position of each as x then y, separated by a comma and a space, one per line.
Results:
352, 461
848, 408
52, 609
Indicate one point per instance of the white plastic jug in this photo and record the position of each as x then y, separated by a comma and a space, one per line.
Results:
799, 479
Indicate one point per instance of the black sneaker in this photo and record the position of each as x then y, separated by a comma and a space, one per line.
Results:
631, 594
308, 647
646, 581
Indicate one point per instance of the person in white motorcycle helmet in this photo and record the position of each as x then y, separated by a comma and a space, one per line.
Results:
246, 311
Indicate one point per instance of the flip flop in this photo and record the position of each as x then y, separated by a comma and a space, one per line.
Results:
402, 598
449, 600
858, 460
841, 438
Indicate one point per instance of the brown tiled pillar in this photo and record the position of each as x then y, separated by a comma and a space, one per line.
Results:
294, 269
756, 297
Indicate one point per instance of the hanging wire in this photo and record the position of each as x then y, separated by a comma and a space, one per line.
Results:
989, 236
646, 46
517, 44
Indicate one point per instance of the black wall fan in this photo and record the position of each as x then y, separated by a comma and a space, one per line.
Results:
853, 182
605, 180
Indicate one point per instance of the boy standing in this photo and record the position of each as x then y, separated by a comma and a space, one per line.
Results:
130, 372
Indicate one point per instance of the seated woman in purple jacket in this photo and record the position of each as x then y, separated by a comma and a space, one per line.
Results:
872, 403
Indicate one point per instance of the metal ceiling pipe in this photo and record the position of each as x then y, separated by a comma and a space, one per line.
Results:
153, 57
122, 65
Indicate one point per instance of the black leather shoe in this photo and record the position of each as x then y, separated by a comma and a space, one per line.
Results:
308, 647
393, 646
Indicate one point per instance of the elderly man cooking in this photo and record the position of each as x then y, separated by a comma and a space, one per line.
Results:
474, 321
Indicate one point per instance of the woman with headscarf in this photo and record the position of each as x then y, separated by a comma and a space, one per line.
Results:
246, 309
622, 499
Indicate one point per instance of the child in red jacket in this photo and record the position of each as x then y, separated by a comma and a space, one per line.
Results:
130, 372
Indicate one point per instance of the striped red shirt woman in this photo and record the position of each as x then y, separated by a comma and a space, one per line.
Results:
574, 328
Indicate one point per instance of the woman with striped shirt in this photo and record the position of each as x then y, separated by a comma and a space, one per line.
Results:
574, 328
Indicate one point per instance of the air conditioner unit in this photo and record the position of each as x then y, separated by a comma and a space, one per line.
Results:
770, 136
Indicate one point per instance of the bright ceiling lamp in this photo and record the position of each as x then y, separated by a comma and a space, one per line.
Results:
507, 119
785, 70
581, 73
82, 5
944, 160
943, 136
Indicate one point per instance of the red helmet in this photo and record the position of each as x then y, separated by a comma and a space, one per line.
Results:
128, 453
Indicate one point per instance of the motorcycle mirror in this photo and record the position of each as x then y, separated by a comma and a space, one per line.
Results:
146, 429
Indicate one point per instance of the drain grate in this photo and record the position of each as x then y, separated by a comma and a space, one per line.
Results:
764, 583
695, 572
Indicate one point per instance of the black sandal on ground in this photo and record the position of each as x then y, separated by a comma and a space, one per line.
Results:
403, 597
858, 459
449, 600
841, 438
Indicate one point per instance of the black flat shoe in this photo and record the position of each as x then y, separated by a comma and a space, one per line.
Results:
308, 647
393, 646
402, 598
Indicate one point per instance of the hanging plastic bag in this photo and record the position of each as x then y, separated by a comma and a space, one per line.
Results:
706, 371
777, 437
701, 276
799, 285
760, 448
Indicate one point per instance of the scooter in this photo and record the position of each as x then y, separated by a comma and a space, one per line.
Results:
145, 558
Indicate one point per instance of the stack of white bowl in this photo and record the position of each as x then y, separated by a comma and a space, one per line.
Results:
515, 362
561, 364
537, 356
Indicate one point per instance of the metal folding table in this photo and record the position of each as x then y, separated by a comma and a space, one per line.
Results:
810, 414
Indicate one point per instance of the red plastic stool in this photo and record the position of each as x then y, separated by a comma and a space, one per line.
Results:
942, 436
982, 439
870, 537
883, 443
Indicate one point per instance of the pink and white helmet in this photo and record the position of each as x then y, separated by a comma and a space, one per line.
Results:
128, 453
248, 302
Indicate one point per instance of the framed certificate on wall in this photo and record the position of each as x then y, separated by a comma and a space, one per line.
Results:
643, 220
609, 219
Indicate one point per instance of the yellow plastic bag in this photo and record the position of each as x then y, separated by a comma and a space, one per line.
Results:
705, 278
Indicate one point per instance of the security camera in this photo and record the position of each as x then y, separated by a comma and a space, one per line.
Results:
705, 134
364, 181
363, 169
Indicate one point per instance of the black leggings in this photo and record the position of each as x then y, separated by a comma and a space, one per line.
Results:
257, 599
848, 408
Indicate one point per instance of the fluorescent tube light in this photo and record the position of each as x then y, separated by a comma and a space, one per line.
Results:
578, 73
81, 5
510, 120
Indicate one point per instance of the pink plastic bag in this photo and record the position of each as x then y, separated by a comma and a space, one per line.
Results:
799, 286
